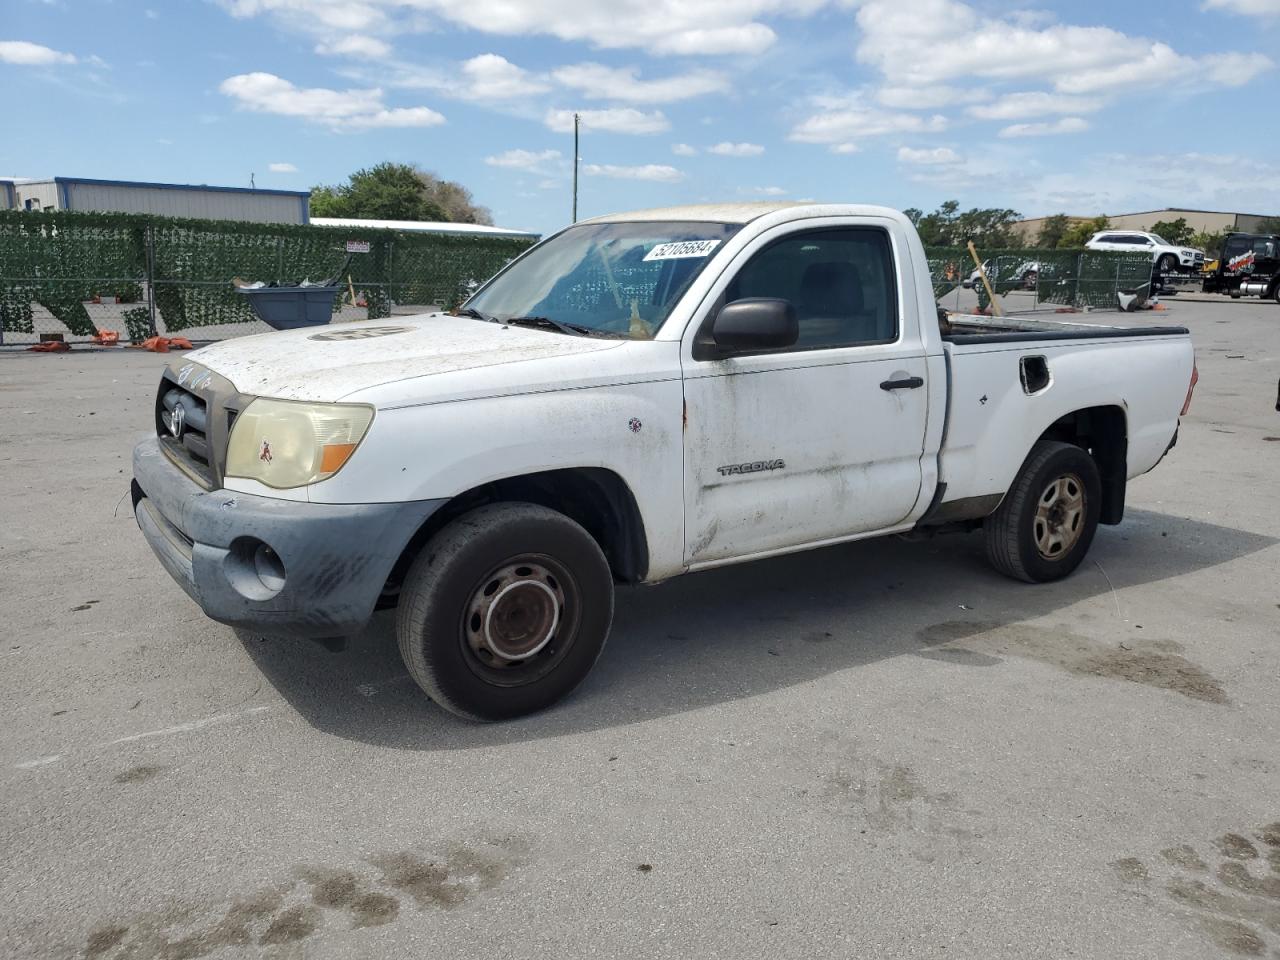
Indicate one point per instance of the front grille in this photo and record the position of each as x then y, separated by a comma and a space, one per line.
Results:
194, 412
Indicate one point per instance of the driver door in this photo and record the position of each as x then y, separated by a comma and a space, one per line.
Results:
818, 441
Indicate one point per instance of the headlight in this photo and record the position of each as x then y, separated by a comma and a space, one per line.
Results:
283, 443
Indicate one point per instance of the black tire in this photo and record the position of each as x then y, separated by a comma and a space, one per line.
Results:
1168, 264
558, 591
1017, 533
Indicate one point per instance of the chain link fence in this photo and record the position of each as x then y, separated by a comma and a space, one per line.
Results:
77, 274
1052, 279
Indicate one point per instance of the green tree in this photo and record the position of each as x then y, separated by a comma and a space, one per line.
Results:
1175, 231
453, 199
1210, 242
1269, 225
948, 226
397, 191
1077, 235
1052, 230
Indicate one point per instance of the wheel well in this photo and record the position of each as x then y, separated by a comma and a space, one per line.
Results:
1103, 431
597, 499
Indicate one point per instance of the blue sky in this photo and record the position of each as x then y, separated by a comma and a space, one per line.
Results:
1081, 107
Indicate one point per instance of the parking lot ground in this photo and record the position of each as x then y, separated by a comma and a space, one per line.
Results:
882, 749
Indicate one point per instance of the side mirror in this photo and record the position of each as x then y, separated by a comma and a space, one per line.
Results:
755, 323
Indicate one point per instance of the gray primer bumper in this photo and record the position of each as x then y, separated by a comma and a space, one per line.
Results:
336, 556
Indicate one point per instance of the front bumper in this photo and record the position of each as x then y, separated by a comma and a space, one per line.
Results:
335, 557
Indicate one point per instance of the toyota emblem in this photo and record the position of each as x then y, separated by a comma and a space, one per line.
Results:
178, 421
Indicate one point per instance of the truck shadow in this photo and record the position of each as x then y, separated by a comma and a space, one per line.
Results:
748, 630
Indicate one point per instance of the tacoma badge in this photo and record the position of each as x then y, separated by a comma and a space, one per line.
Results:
756, 467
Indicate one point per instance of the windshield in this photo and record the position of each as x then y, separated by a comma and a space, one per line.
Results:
606, 279
1160, 240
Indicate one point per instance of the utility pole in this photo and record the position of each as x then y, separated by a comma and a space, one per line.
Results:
576, 120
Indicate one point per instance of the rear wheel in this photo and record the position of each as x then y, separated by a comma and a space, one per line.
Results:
505, 611
1046, 523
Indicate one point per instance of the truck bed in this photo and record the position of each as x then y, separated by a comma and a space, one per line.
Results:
975, 329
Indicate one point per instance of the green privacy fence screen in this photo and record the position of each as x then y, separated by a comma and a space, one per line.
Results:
62, 260
1070, 278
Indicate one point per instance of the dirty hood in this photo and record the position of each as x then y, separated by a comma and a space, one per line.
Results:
331, 362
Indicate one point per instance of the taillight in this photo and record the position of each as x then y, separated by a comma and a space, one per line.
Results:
1191, 388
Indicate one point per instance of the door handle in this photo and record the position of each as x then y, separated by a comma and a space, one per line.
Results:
908, 383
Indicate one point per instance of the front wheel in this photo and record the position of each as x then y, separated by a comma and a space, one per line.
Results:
1168, 264
1044, 526
505, 611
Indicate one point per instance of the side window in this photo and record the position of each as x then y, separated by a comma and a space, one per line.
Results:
840, 282
1236, 246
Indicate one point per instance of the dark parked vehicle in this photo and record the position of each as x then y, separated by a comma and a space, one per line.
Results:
1249, 267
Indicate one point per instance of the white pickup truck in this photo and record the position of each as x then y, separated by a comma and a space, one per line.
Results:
637, 397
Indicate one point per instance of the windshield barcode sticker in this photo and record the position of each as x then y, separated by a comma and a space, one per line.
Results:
681, 249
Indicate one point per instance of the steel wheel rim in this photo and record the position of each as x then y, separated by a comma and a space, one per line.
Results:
520, 620
1060, 516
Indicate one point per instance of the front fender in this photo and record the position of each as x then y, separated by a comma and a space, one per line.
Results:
440, 450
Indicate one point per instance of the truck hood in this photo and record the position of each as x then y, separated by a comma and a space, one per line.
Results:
331, 362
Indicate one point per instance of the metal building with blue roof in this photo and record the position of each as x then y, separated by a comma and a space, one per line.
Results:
162, 199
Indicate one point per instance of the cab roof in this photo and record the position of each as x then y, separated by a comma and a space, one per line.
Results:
734, 212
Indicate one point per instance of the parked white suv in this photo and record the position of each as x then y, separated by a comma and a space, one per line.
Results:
1168, 257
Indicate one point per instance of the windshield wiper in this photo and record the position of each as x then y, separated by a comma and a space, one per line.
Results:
575, 329
475, 314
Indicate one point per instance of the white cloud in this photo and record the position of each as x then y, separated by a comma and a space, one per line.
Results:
598, 82
1115, 183
611, 120
841, 119
340, 109
27, 54
355, 45
928, 97
1248, 8
914, 45
282, 168
659, 26
650, 171
1065, 125
935, 157
746, 39
1235, 69
491, 77
484, 78
684, 150
317, 17
523, 159
845, 148
767, 191
727, 149
1036, 103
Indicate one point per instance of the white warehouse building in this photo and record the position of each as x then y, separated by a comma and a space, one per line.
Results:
162, 199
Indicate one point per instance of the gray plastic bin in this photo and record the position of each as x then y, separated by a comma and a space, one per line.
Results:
286, 308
